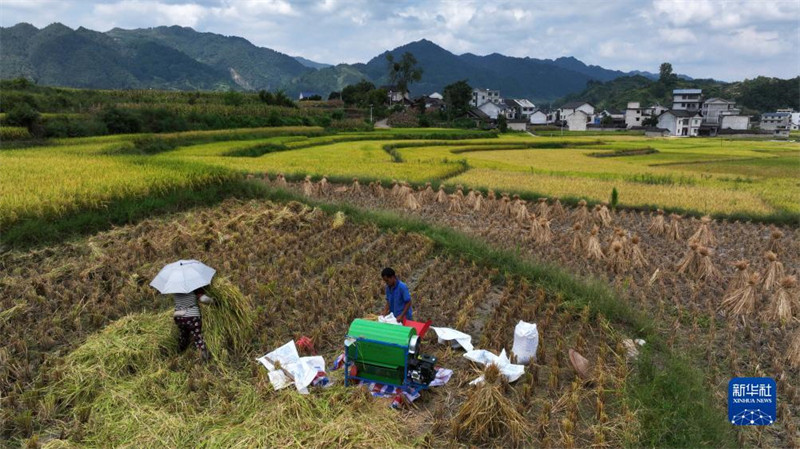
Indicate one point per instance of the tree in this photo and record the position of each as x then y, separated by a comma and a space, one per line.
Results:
457, 97
502, 123
357, 94
650, 121
23, 115
403, 72
335, 96
607, 120
665, 75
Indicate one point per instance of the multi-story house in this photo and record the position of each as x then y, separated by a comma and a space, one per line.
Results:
715, 108
481, 96
775, 121
681, 122
687, 100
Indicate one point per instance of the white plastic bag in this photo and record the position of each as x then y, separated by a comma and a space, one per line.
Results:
526, 341
457, 338
388, 319
509, 370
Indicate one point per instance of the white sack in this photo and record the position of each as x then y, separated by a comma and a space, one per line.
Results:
457, 337
526, 341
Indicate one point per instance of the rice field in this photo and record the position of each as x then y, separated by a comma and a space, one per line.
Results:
707, 176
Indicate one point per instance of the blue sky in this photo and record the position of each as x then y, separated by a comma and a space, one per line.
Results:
728, 40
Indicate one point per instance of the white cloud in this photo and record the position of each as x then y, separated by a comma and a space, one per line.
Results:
727, 39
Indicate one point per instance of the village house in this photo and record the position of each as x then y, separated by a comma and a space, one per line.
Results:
396, 95
681, 122
715, 108
481, 96
577, 120
538, 118
522, 108
518, 124
775, 121
571, 107
634, 115
687, 100
494, 110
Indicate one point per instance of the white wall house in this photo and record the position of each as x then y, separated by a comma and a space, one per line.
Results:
687, 99
518, 125
633, 115
481, 96
569, 108
715, 108
493, 110
681, 123
776, 120
577, 120
794, 123
436, 95
538, 118
734, 122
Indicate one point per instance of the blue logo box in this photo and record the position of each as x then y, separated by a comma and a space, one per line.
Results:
752, 401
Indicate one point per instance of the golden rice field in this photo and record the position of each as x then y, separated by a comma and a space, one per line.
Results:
716, 176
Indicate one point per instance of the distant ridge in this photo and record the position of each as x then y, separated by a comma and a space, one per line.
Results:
174, 57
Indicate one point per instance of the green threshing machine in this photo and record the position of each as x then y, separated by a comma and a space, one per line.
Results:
387, 354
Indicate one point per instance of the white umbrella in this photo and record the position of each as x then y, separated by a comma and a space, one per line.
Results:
183, 276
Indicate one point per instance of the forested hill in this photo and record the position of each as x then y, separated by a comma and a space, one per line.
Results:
756, 95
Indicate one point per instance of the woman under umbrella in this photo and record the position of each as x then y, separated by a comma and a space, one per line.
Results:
185, 280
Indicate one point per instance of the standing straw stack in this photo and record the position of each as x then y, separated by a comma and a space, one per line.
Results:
658, 226
674, 229
743, 300
703, 235
487, 415
784, 302
775, 271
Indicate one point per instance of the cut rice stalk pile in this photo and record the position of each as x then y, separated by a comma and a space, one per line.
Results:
144, 395
487, 415
228, 322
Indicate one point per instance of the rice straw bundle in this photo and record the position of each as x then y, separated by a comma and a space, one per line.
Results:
577, 237
739, 279
784, 302
581, 214
487, 415
743, 300
441, 196
478, 206
429, 194
705, 267
521, 212
460, 192
323, 186
308, 188
557, 210
674, 230
228, 322
605, 215
281, 181
542, 209
616, 257
536, 227
395, 188
703, 235
266, 177
637, 256
593, 249
470, 201
356, 186
794, 350
505, 205
545, 234
775, 240
775, 271
410, 201
455, 204
657, 225
491, 195
688, 264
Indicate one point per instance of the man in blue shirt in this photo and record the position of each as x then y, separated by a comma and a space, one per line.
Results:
398, 299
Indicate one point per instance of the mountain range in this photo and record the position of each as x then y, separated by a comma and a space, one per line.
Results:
181, 58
